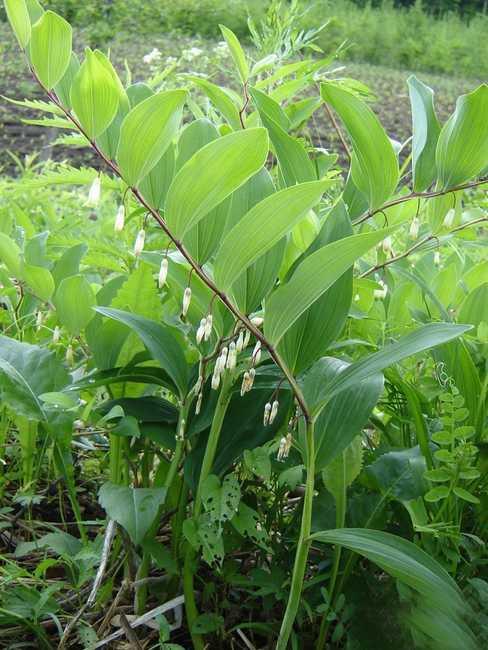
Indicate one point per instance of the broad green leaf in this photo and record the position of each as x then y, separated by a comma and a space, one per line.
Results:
426, 129
108, 141
462, 149
423, 338
69, 262
158, 339
27, 371
94, 95
221, 500
19, 20
437, 494
262, 227
270, 108
465, 495
213, 173
154, 187
63, 87
133, 508
237, 52
202, 240
339, 424
293, 160
248, 523
312, 278
310, 336
35, 10
412, 566
400, 474
39, 280
340, 473
74, 302
250, 287
50, 48
146, 133
221, 98
375, 166
10, 254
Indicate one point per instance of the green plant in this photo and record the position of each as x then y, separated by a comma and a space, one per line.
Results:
195, 323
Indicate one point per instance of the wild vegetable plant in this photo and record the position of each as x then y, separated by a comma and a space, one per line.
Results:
261, 254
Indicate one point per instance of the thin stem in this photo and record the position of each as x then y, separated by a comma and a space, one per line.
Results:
303, 545
419, 195
418, 244
190, 557
341, 505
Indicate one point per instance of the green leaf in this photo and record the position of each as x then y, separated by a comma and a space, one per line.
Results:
159, 341
423, 338
339, 424
415, 568
146, 133
294, 162
221, 98
50, 48
39, 280
312, 278
465, 495
262, 227
213, 173
426, 129
257, 461
462, 149
237, 52
27, 371
221, 500
63, 87
400, 474
133, 508
94, 95
340, 473
74, 302
19, 20
10, 254
248, 524
310, 336
375, 166
437, 493
206, 623
69, 262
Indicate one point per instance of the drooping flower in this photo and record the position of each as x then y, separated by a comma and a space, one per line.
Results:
119, 219
94, 193
139, 243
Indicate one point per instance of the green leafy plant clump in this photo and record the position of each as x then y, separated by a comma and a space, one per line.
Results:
243, 385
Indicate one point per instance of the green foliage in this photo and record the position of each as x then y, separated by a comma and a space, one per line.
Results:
224, 316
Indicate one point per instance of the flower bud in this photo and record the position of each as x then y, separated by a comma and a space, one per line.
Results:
94, 193
245, 383
274, 411
208, 327
186, 301
380, 294
232, 356
257, 321
252, 375
449, 218
56, 334
386, 245
39, 319
198, 405
216, 375
163, 272
437, 258
119, 219
285, 446
414, 228
267, 413
69, 355
222, 360
198, 386
240, 342
139, 245
256, 354
247, 338
201, 331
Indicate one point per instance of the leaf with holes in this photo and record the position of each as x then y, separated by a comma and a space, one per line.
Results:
221, 500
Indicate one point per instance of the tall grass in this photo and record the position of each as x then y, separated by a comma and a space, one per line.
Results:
405, 38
